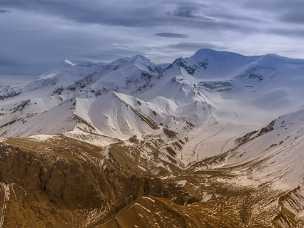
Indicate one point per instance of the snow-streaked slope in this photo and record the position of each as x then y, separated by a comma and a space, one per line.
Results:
116, 100
273, 153
25, 122
212, 97
115, 117
65, 76
11, 85
220, 65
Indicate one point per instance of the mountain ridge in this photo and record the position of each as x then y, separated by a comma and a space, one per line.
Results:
214, 131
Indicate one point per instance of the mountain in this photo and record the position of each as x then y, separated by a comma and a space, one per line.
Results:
216, 133
272, 155
276, 149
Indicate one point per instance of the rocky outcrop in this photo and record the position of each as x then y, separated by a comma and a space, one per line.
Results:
62, 182
60, 179
291, 210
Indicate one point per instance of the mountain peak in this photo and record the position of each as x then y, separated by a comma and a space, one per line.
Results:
136, 59
206, 52
139, 58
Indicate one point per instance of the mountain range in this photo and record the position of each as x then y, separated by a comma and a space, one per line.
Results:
211, 140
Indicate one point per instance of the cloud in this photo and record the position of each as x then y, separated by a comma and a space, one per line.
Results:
3, 11
129, 13
296, 16
38, 35
193, 46
101, 12
285, 11
288, 32
171, 35
190, 10
40, 42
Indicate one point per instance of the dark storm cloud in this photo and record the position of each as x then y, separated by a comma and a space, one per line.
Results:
193, 46
3, 11
190, 10
172, 35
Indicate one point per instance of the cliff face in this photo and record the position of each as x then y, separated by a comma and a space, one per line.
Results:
291, 210
62, 182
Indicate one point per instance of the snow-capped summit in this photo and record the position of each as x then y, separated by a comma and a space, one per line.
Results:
209, 88
208, 53
139, 61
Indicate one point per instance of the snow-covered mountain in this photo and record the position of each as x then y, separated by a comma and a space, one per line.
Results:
273, 153
269, 156
133, 96
211, 97
220, 113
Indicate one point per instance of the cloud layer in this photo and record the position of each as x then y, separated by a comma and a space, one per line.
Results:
38, 35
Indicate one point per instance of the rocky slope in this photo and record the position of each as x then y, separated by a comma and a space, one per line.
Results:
62, 182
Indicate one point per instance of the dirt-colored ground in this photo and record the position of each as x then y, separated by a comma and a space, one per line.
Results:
63, 182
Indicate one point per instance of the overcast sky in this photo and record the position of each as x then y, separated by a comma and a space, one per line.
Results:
37, 35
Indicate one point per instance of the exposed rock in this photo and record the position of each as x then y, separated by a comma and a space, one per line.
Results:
62, 182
